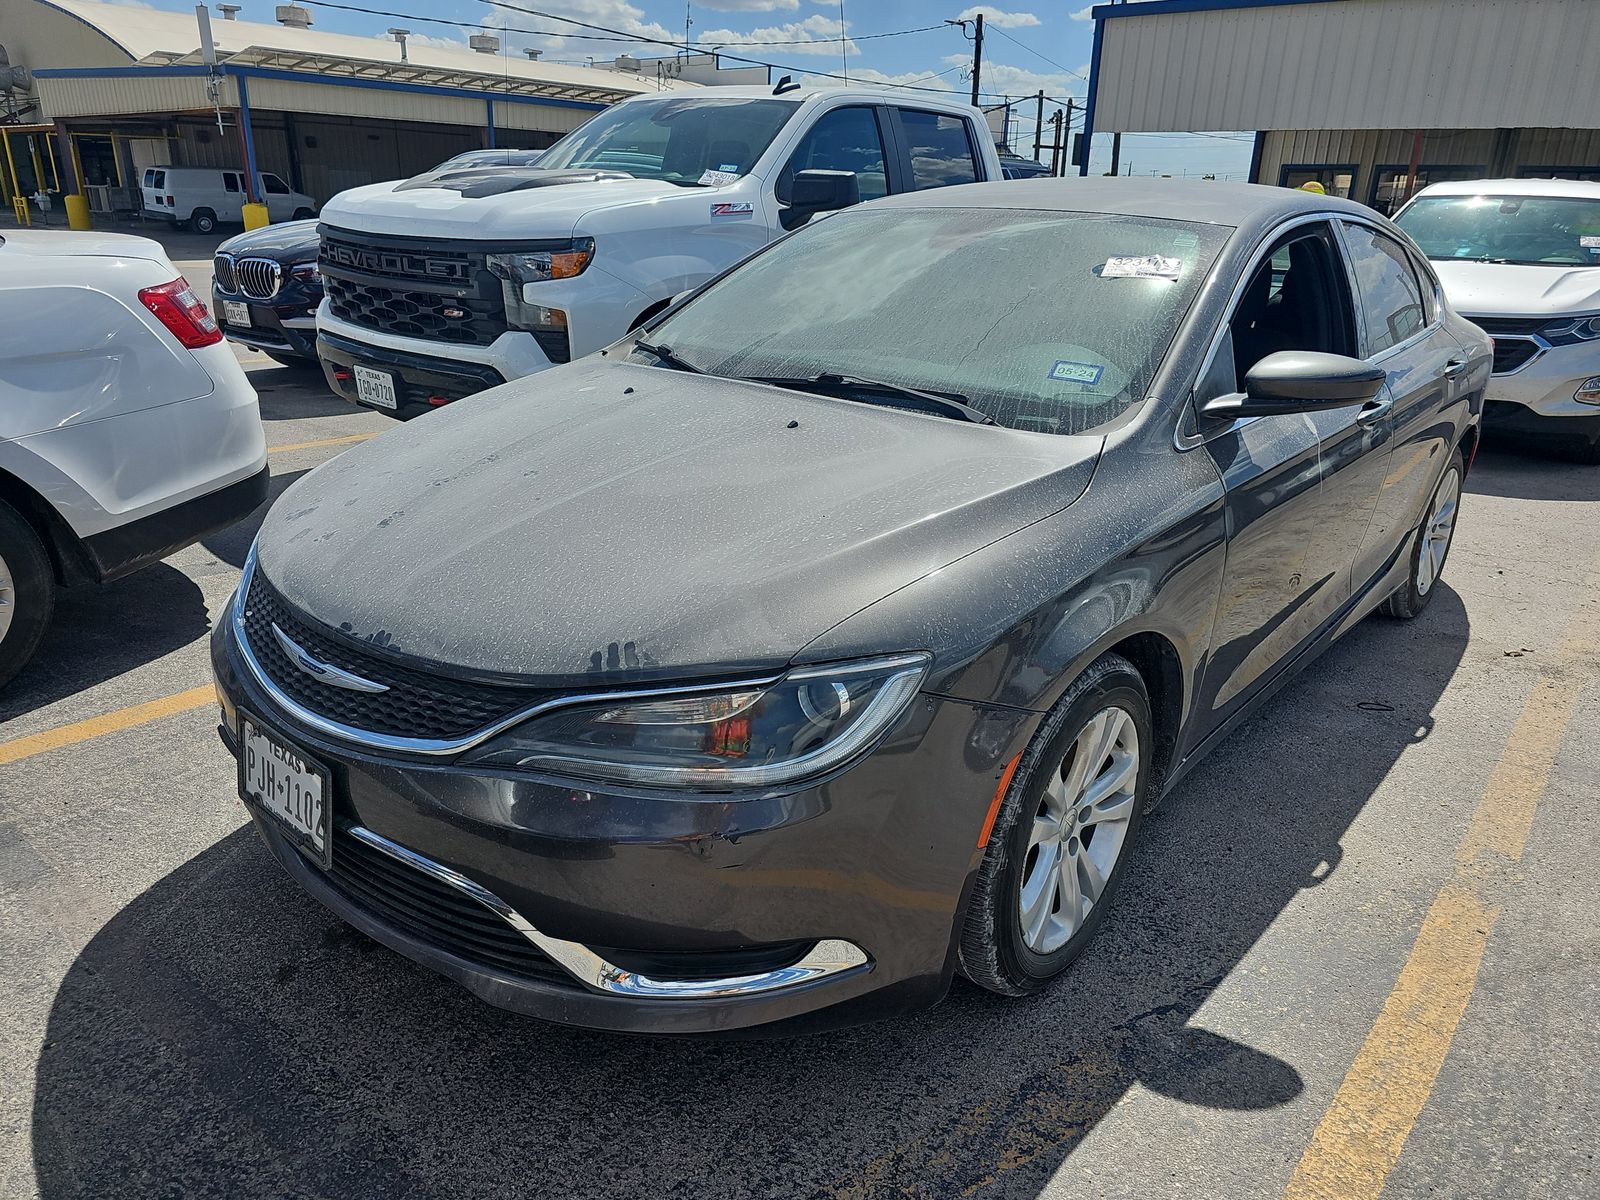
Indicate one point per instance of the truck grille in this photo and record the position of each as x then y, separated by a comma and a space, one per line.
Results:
258, 278
417, 705
433, 912
428, 290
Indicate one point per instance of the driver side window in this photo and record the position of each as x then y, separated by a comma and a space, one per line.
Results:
1297, 299
846, 139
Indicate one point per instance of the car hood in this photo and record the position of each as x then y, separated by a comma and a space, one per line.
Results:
1505, 289
407, 207
291, 239
562, 530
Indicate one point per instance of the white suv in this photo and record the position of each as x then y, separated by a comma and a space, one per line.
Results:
458, 280
127, 428
1521, 258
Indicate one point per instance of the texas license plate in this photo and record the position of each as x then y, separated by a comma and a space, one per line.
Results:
288, 785
235, 313
374, 387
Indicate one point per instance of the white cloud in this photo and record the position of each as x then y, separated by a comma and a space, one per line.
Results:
998, 16
816, 34
920, 79
1086, 13
750, 5
613, 14
1021, 82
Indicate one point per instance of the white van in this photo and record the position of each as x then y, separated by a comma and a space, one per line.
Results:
200, 198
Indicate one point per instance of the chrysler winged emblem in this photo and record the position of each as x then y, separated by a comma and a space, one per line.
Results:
325, 671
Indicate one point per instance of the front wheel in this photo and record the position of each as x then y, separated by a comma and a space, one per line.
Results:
27, 592
1430, 545
1063, 833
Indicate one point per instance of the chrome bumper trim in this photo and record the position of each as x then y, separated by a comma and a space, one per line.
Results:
829, 957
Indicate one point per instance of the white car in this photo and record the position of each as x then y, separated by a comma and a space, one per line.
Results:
1521, 258
127, 428
441, 286
201, 198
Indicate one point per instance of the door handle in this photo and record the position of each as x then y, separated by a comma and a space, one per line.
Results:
1374, 411
1454, 367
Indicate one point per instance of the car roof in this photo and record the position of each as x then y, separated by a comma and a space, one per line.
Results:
871, 95
1236, 205
1514, 187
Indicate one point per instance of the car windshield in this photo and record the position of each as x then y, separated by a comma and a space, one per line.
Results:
689, 141
1048, 321
1528, 230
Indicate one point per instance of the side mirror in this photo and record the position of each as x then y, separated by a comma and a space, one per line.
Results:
1297, 381
812, 192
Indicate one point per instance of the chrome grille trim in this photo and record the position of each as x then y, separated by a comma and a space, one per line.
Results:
259, 278
223, 274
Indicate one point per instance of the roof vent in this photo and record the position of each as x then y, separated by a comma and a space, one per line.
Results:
228, 11
294, 16
627, 62
533, 55
484, 43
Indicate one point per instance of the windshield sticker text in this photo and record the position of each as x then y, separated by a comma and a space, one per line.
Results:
1589, 243
1066, 371
1142, 266
733, 210
719, 178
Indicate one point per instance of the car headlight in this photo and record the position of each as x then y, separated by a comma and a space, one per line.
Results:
517, 269
805, 724
1569, 331
1589, 391
306, 273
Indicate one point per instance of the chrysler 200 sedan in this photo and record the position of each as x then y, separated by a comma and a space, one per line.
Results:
832, 634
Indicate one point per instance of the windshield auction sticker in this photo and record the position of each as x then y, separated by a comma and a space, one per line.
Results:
1142, 266
719, 178
1076, 372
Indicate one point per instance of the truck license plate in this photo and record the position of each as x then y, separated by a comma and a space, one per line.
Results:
374, 387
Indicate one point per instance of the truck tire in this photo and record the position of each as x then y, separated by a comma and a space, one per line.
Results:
303, 214
202, 220
27, 592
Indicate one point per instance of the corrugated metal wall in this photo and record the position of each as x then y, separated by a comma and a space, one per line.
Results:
75, 97
1353, 64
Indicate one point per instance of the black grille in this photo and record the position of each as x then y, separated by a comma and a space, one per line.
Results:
1511, 353
436, 913
416, 313
417, 704
222, 273
1509, 326
413, 289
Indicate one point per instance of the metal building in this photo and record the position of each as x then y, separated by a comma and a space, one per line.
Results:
108, 89
1371, 98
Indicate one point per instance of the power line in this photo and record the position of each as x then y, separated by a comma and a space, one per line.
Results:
1035, 53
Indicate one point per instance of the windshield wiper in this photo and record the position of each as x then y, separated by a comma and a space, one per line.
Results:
945, 404
666, 357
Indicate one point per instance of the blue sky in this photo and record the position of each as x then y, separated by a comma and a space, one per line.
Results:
1029, 45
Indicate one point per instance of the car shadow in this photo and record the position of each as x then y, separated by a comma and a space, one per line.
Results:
99, 633
296, 393
232, 545
1517, 471
224, 1035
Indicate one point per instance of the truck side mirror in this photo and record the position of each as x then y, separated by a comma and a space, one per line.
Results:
813, 192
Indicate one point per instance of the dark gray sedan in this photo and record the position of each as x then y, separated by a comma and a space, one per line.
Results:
831, 634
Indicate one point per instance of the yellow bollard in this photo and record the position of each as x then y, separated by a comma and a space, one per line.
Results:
77, 212
255, 216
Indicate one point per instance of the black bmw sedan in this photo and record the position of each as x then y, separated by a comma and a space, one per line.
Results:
265, 288
832, 634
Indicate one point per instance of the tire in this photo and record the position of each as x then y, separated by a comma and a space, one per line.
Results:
1588, 453
27, 592
1001, 948
1417, 592
292, 361
302, 214
202, 220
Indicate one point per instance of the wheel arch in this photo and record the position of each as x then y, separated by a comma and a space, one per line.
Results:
1468, 445
68, 558
1159, 664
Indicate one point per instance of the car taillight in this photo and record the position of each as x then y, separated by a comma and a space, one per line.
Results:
181, 311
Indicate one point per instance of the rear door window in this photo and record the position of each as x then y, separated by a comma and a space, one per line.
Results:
155, 179
230, 181
940, 146
1392, 307
846, 139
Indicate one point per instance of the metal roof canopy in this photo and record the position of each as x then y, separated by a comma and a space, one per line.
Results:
1170, 65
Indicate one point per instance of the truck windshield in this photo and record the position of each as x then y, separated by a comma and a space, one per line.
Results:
1053, 322
690, 141
1526, 230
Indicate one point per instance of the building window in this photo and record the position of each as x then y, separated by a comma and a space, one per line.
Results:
1586, 174
1336, 180
1390, 184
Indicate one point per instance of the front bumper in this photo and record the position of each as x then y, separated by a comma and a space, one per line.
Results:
286, 329
422, 383
1545, 383
862, 877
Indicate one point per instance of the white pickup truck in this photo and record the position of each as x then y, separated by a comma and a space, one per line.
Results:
455, 281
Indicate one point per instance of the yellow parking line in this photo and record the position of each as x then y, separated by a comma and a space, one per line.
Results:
123, 718
1360, 1137
347, 440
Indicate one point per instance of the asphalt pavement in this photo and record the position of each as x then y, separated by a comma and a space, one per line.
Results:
1356, 953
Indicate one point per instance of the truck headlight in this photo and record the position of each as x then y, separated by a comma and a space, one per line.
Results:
517, 269
805, 724
1569, 331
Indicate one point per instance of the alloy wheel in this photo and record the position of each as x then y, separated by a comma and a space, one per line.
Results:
1079, 830
1438, 531
8, 598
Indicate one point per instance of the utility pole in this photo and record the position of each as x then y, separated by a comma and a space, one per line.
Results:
977, 59
1116, 152
1055, 144
1038, 129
